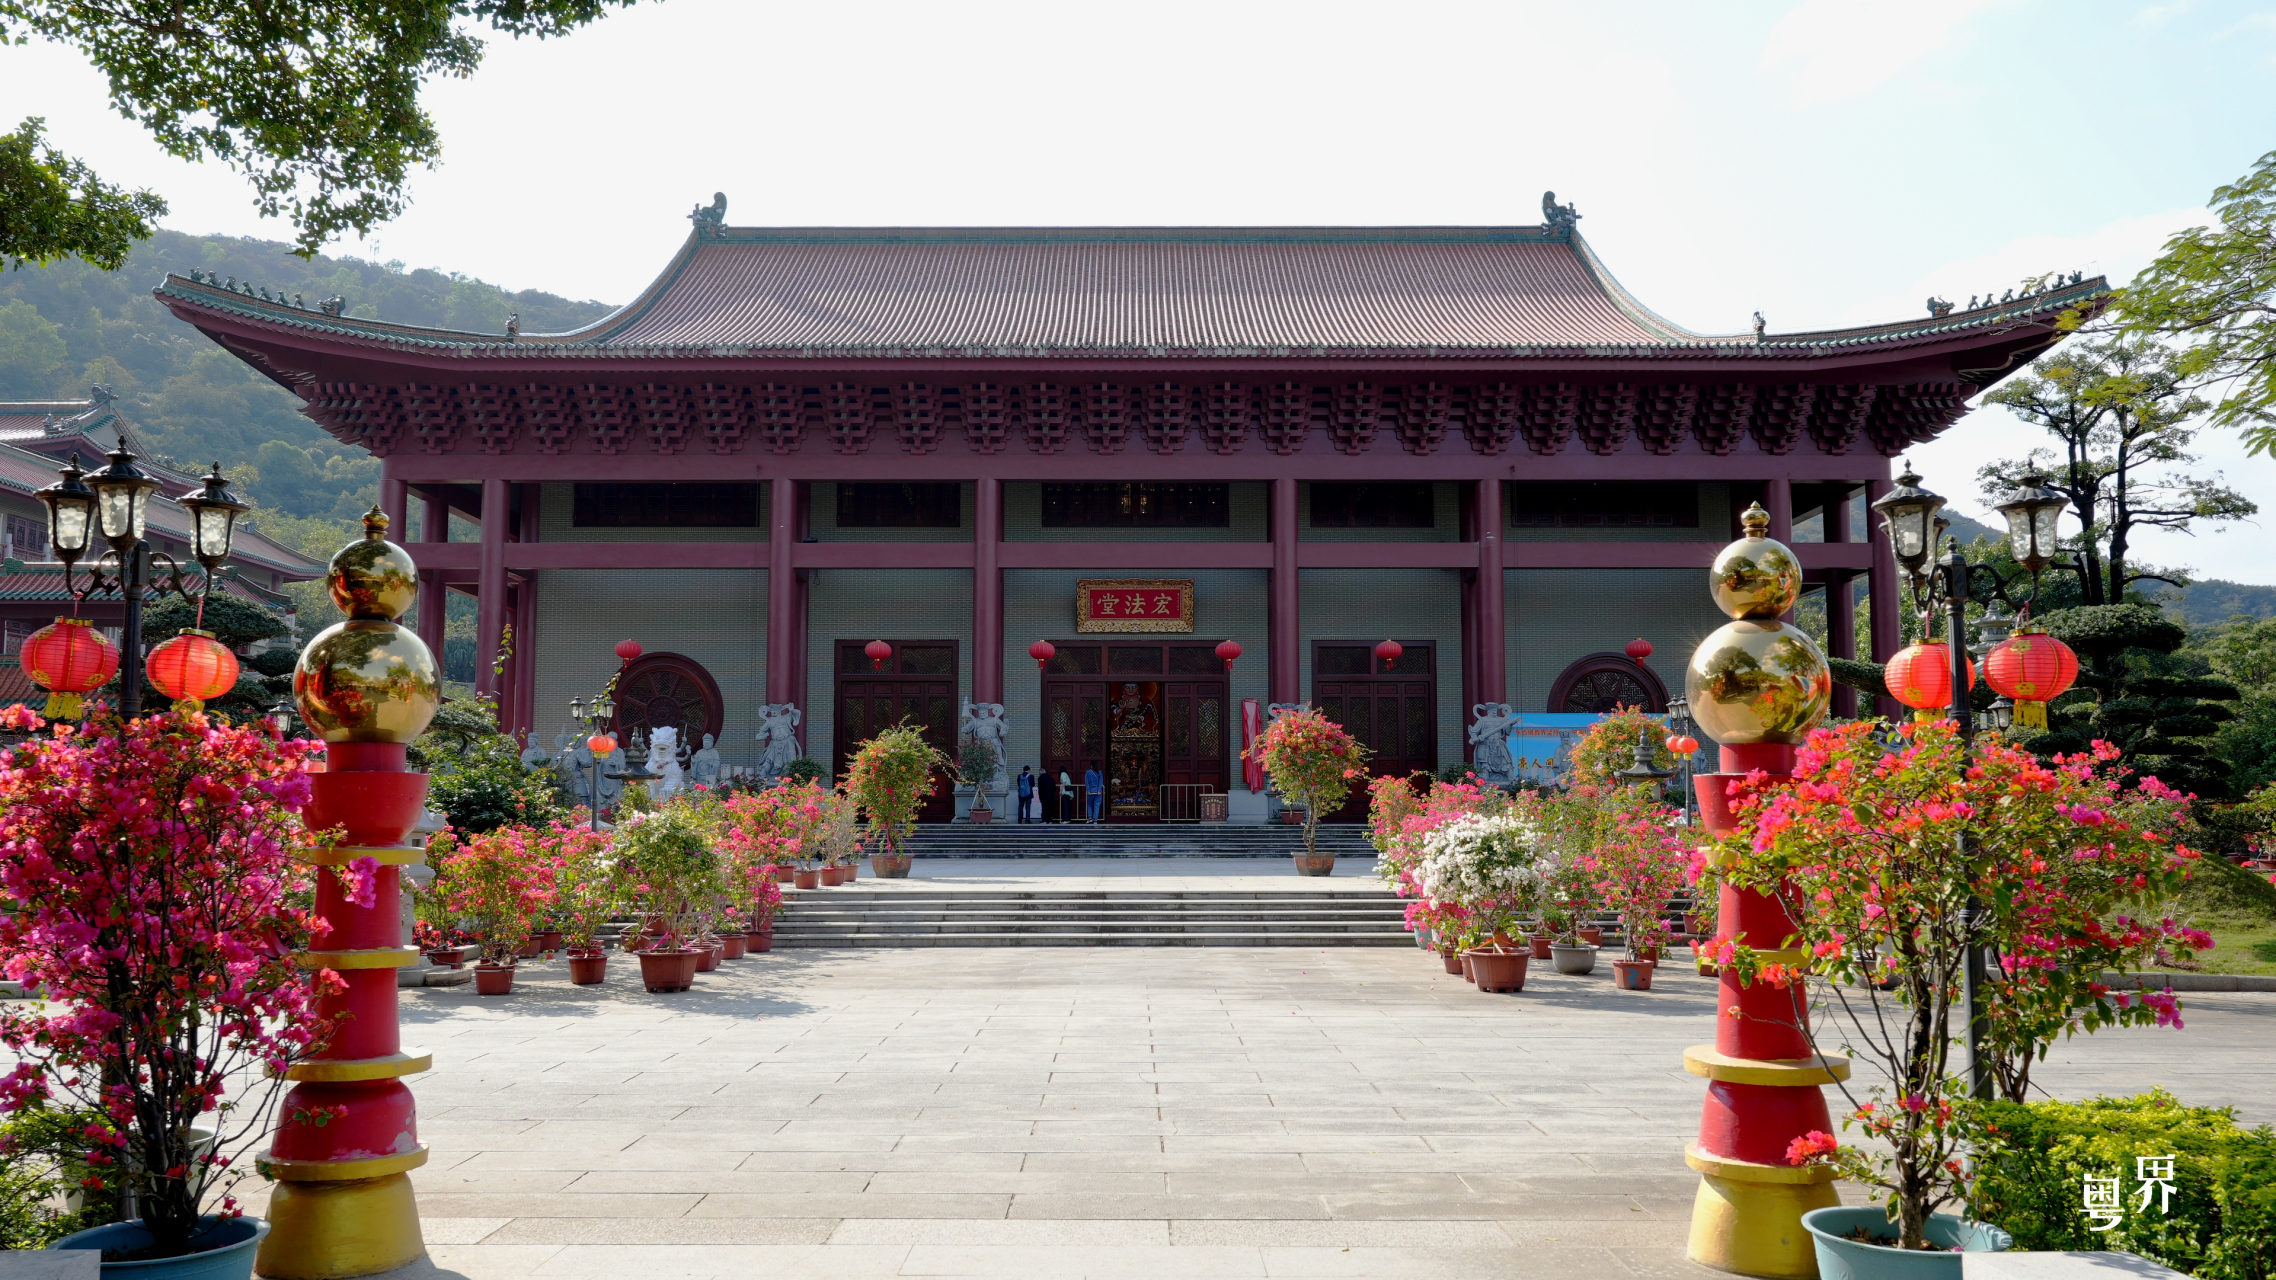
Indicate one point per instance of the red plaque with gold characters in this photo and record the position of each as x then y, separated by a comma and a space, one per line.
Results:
1134, 604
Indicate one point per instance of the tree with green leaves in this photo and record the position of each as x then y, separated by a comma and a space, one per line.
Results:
2123, 416
316, 103
2133, 694
2214, 289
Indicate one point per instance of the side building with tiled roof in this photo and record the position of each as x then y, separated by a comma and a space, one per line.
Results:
961, 441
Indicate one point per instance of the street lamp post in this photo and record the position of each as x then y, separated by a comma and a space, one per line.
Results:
590, 716
1910, 515
115, 502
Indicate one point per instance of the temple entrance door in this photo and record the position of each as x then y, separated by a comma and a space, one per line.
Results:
1394, 713
918, 684
1150, 715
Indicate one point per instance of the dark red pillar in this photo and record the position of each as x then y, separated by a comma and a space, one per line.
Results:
434, 526
1285, 622
490, 585
782, 591
1778, 500
1492, 684
987, 590
1882, 591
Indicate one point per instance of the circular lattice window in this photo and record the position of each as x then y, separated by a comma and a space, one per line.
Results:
1602, 682
668, 689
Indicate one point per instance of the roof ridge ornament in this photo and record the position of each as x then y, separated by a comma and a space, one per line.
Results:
712, 219
1558, 219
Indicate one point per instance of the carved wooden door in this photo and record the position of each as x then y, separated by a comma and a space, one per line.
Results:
918, 684
1393, 713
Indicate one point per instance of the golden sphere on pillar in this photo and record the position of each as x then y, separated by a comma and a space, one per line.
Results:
369, 679
1757, 679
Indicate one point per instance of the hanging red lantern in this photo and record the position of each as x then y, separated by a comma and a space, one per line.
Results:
1389, 651
2034, 669
1682, 744
1228, 650
627, 650
601, 743
878, 652
68, 658
1639, 649
1041, 651
192, 668
1921, 678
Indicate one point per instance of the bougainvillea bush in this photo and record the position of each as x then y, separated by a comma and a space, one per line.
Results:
501, 882
1641, 862
890, 777
1400, 821
670, 866
588, 883
149, 864
1876, 852
1312, 762
779, 826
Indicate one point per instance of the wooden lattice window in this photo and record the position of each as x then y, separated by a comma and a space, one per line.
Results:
901, 505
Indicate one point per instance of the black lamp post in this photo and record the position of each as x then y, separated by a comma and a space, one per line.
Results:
115, 503
1910, 513
591, 717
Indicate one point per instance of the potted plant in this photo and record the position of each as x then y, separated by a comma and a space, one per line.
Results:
1876, 852
667, 852
161, 946
1639, 868
976, 767
888, 780
588, 892
1488, 864
1314, 762
500, 881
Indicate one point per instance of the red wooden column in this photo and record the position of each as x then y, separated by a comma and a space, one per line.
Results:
1778, 500
1284, 621
782, 591
1881, 590
1841, 611
395, 504
1492, 684
490, 584
987, 590
434, 526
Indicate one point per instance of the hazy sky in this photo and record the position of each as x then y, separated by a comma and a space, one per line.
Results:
1828, 162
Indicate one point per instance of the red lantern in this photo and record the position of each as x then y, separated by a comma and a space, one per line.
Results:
601, 744
2034, 669
191, 668
1228, 650
878, 652
1921, 678
1041, 651
68, 657
1639, 649
627, 650
1389, 651
1682, 744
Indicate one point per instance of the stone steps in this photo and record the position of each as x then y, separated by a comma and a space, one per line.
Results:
854, 917
1109, 840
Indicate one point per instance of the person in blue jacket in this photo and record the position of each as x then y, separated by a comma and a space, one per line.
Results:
1026, 791
1094, 789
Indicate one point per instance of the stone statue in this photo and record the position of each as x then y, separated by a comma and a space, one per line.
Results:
1489, 734
778, 729
1938, 307
1759, 326
513, 326
703, 766
1275, 710
664, 758
712, 218
580, 769
984, 723
534, 755
333, 305
1558, 219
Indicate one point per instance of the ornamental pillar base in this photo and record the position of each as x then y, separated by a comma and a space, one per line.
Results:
1747, 1218
334, 1230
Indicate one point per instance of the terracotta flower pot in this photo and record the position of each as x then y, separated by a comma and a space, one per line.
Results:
807, 879
833, 876
1500, 968
446, 957
731, 946
1453, 961
707, 958
1315, 865
673, 970
852, 871
1633, 975
589, 969
493, 979
528, 949
1469, 969
757, 944
890, 867
1541, 942
1592, 936
1292, 817
549, 940
1651, 953
982, 817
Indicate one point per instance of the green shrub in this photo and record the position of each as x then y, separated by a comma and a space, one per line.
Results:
488, 787
2220, 1223
40, 1147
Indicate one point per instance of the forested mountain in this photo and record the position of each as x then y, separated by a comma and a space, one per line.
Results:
2211, 601
68, 325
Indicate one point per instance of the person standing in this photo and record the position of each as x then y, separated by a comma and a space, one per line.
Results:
1026, 792
1094, 790
1066, 797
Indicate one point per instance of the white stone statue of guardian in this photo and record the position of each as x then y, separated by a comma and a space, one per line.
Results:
778, 729
703, 766
984, 723
1489, 736
664, 759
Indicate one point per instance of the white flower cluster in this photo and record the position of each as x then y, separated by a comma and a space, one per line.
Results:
1479, 858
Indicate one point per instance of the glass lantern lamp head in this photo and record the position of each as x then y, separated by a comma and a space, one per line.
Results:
2032, 515
2000, 714
70, 513
280, 717
122, 500
213, 520
1908, 512
577, 711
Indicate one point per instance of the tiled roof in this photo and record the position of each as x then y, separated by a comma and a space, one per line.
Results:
25, 473
43, 583
17, 687
741, 292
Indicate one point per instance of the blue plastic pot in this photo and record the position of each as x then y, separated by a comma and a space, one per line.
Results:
231, 1243
1843, 1259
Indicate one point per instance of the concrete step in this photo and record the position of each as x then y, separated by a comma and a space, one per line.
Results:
893, 915
1220, 939
1165, 840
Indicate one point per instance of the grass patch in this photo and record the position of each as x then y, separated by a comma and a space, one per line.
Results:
2236, 906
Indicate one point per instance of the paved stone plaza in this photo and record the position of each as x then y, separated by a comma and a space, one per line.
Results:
1105, 1112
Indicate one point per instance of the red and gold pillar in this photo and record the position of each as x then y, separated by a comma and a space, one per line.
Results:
1757, 685
347, 1132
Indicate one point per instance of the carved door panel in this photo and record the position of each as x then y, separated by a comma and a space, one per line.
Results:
1074, 731
1394, 714
1193, 734
918, 685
